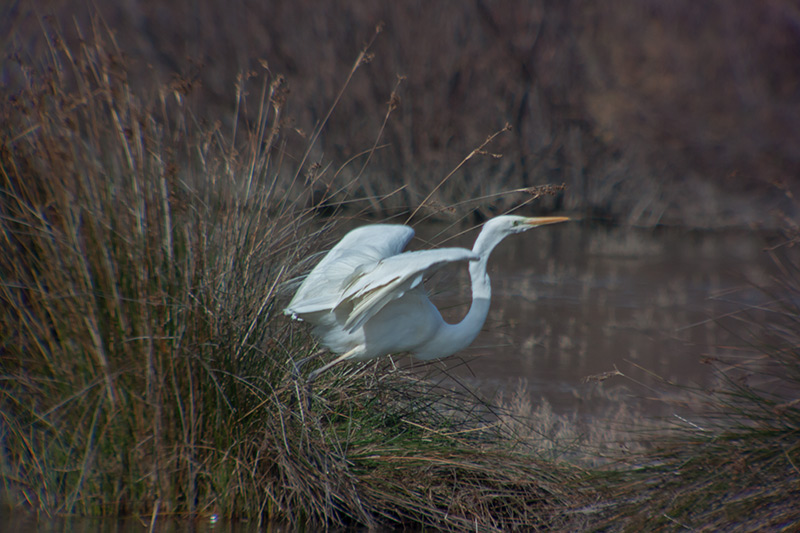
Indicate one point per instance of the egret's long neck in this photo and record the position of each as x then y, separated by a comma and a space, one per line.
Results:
452, 338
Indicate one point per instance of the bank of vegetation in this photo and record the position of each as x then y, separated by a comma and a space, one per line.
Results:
146, 366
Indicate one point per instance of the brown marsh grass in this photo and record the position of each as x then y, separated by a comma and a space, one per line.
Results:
146, 367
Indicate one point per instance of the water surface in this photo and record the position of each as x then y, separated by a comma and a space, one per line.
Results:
570, 301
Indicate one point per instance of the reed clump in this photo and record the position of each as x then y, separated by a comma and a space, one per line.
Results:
145, 362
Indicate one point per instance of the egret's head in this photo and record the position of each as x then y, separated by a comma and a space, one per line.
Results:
498, 228
510, 224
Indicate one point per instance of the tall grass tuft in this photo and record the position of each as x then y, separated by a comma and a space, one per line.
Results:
139, 272
145, 363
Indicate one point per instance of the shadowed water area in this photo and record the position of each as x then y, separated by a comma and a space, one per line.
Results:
572, 301
21, 522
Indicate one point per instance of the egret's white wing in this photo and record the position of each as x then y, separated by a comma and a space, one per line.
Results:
369, 291
385, 240
358, 251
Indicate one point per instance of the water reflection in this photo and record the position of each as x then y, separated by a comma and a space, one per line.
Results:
15, 520
571, 302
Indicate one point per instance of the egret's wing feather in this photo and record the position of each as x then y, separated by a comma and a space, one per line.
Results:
383, 240
358, 251
391, 278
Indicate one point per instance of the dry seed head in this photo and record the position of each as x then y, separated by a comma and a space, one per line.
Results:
597, 378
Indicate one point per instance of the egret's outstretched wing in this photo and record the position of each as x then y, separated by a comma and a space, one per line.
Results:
369, 291
358, 251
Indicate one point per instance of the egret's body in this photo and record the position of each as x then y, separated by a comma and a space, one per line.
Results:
366, 297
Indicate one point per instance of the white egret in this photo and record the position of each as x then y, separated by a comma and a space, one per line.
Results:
366, 297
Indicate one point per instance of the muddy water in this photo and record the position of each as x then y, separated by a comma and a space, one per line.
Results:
571, 302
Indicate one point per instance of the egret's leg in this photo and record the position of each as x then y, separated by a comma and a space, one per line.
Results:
301, 363
347, 355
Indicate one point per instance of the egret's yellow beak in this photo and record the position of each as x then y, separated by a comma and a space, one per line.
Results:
541, 221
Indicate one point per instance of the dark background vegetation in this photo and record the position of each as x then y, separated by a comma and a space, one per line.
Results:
672, 112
